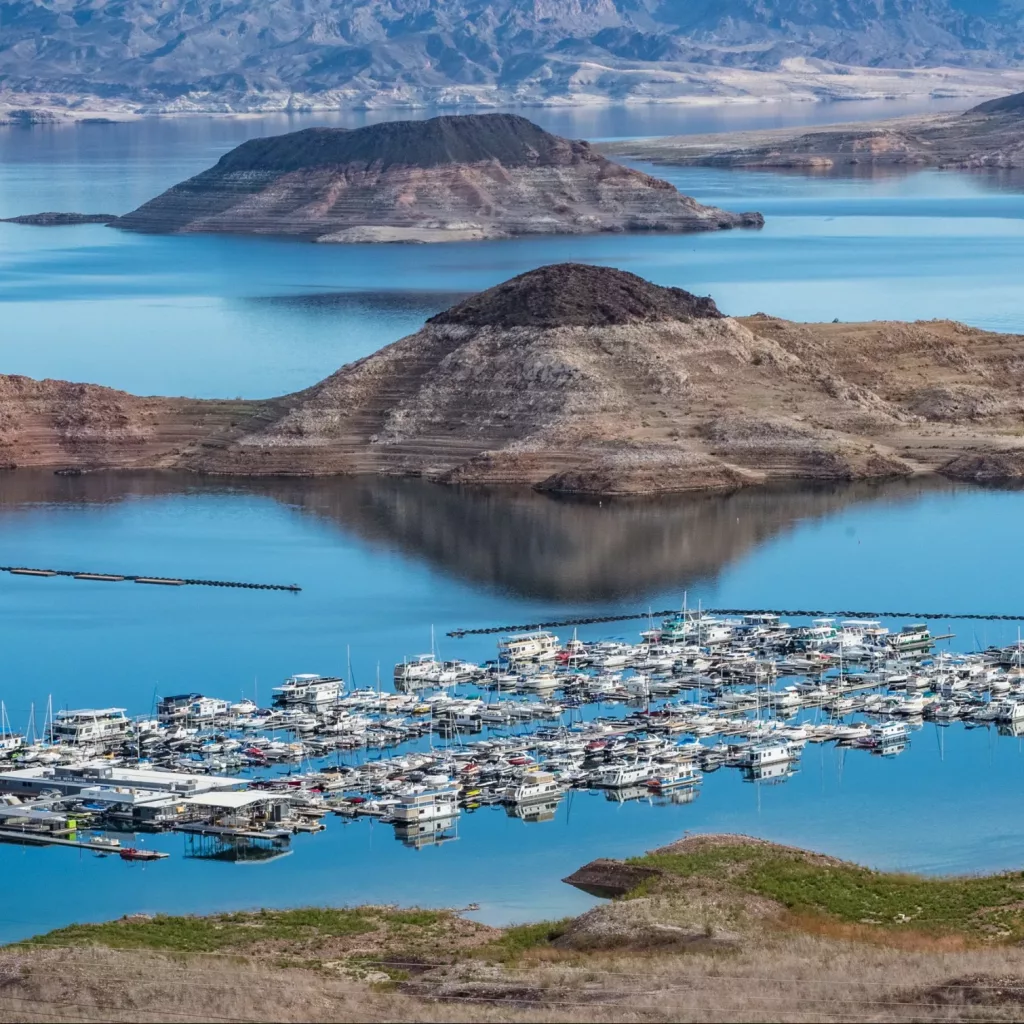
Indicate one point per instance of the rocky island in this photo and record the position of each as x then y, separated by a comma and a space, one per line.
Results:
453, 178
580, 379
51, 219
990, 135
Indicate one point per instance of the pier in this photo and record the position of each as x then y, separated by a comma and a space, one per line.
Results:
164, 581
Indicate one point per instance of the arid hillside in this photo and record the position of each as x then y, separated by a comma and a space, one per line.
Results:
581, 379
715, 928
444, 179
990, 135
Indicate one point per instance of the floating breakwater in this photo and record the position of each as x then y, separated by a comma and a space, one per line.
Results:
172, 581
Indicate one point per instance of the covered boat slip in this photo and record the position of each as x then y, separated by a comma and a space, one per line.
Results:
252, 814
72, 779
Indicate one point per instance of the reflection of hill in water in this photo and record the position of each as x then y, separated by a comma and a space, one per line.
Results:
514, 539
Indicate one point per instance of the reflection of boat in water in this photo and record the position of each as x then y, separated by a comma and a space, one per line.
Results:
778, 771
680, 796
433, 832
626, 793
538, 810
889, 749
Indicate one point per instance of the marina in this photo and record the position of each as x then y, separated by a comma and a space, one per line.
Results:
368, 602
636, 721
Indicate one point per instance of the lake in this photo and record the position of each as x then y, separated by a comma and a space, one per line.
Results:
381, 562
221, 316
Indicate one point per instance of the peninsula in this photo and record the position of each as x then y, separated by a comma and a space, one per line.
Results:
990, 135
580, 379
454, 178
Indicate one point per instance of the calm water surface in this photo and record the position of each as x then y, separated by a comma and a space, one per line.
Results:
219, 316
382, 561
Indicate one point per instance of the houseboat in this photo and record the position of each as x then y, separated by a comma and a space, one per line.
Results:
307, 689
90, 727
415, 805
911, 638
533, 787
537, 646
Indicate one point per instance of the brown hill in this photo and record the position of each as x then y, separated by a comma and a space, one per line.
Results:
582, 379
575, 295
444, 179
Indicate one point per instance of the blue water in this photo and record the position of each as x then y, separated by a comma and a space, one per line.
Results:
216, 316
381, 562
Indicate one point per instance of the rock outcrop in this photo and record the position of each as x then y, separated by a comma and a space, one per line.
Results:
582, 379
444, 179
57, 220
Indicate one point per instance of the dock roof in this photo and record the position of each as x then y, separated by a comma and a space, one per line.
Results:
234, 801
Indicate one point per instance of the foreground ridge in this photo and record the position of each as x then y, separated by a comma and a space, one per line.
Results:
807, 937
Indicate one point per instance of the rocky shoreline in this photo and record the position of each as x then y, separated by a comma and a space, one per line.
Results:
990, 135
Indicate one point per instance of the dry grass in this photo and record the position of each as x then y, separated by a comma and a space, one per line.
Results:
783, 977
697, 947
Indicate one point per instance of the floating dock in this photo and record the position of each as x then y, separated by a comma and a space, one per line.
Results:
164, 581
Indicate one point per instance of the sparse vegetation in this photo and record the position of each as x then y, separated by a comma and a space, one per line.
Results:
523, 938
723, 928
981, 906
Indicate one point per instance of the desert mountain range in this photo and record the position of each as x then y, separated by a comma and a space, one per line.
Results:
172, 55
989, 135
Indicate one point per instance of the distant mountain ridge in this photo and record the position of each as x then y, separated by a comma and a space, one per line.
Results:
224, 55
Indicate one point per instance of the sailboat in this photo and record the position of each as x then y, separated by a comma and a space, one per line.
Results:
9, 740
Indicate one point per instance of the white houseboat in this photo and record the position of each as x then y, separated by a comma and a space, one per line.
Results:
90, 727
630, 773
911, 638
531, 788
674, 776
417, 805
773, 752
538, 646
307, 689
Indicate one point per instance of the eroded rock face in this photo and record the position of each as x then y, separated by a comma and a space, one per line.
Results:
587, 380
445, 179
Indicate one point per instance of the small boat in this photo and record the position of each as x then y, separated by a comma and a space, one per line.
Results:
105, 844
134, 853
